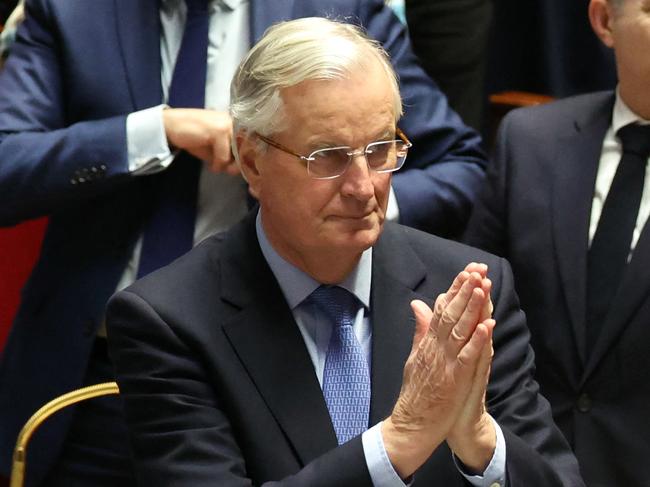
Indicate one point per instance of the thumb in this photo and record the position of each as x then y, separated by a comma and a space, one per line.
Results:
423, 315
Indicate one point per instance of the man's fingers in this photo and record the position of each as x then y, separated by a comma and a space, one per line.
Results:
456, 285
423, 315
484, 364
468, 357
448, 316
466, 324
203, 133
479, 268
475, 401
488, 307
221, 149
233, 169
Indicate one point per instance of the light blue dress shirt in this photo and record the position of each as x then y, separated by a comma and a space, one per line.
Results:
316, 329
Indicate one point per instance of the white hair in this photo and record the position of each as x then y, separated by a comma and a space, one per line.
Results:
291, 52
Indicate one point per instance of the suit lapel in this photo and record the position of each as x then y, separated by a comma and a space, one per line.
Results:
576, 164
270, 346
138, 27
396, 272
634, 290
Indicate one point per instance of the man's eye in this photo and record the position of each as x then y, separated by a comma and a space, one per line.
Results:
322, 154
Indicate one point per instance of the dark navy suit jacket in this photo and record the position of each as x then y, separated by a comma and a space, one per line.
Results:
536, 211
219, 388
78, 68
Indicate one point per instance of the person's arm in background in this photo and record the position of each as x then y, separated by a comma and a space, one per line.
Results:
445, 169
64, 135
44, 145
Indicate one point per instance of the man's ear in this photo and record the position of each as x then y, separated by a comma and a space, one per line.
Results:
247, 152
601, 17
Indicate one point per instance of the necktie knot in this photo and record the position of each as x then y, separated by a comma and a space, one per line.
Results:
635, 139
337, 303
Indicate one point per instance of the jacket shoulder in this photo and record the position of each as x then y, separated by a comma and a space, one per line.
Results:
561, 114
431, 248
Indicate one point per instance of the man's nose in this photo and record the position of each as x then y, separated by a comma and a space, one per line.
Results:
357, 181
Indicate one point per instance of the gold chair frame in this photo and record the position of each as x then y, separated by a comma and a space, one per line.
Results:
55, 405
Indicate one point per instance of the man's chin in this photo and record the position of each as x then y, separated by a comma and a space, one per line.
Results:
362, 238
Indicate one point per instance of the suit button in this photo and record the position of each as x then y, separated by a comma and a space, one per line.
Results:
495, 484
584, 403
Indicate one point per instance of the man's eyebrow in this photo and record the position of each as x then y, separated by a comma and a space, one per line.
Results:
326, 142
388, 132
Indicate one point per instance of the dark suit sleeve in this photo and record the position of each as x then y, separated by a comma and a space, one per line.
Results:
536, 452
180, 434
445, 167
43, 147
488, 226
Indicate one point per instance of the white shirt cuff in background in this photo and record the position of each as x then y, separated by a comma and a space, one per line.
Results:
147, 147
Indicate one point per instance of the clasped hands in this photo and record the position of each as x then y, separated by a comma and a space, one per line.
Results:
206, 134
445, 379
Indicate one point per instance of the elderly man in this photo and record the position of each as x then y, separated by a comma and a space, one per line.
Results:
566, 203
114, 124
266, 353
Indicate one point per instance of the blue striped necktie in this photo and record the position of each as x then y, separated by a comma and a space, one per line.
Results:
346, 378
169, 230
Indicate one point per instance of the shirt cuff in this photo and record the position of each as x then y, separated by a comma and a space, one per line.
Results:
147, 146
392, 210
381, 470
495, 473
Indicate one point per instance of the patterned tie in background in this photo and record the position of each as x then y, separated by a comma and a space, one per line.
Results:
169, 231
610, 247
346, 378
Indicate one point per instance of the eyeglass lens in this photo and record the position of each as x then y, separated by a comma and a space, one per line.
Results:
384, 156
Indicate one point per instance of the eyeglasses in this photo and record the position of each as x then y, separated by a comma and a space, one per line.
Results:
382, 156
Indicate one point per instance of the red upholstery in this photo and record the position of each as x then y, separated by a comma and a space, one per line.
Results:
19, 249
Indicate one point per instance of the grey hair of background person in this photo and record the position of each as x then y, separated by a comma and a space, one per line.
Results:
291, 52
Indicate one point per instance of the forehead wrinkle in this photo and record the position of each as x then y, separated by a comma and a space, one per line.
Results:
347, 137
341, 112
352, 125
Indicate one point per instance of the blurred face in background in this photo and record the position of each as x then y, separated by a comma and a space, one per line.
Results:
624, 25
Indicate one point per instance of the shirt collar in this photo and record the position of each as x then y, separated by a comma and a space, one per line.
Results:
296, 285
623, 115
